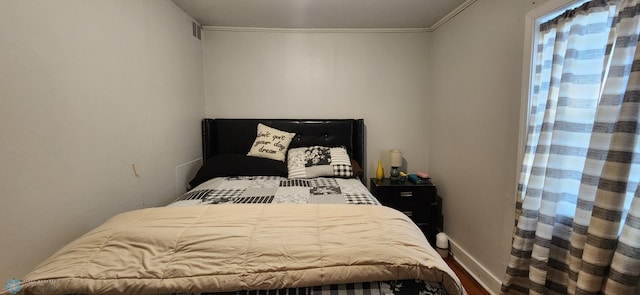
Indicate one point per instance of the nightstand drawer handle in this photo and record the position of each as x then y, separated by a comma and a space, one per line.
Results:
408, 213
406, 194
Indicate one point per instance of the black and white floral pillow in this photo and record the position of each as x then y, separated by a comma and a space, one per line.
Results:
317, 161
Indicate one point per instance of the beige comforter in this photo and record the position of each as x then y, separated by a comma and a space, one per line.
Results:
234, 247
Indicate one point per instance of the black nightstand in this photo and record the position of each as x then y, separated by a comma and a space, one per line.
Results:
418, 201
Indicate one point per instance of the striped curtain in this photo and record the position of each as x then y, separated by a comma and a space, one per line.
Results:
578, 209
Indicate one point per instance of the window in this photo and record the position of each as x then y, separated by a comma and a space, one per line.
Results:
533, 20
570, 60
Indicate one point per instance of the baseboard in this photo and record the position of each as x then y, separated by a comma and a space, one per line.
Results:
488, 281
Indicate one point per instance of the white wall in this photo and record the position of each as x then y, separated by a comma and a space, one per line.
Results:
476, 68
88, 88
381, 77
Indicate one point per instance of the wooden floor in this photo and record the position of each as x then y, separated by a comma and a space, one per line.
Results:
468, 282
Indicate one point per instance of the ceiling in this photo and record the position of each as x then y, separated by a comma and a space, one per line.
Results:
322, 14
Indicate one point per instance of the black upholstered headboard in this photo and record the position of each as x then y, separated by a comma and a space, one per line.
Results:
220, 136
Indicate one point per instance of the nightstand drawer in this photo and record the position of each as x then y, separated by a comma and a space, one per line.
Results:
418, 215
415, 201
410, 196
405, 191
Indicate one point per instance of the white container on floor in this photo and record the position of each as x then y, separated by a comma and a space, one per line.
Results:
442, 244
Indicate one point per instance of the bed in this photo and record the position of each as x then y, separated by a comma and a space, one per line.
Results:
278, 207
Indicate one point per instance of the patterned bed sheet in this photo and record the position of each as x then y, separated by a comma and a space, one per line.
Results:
278, 190
404, 287
281, 190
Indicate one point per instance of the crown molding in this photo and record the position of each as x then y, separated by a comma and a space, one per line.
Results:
432, 28
314, 30
450, 15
